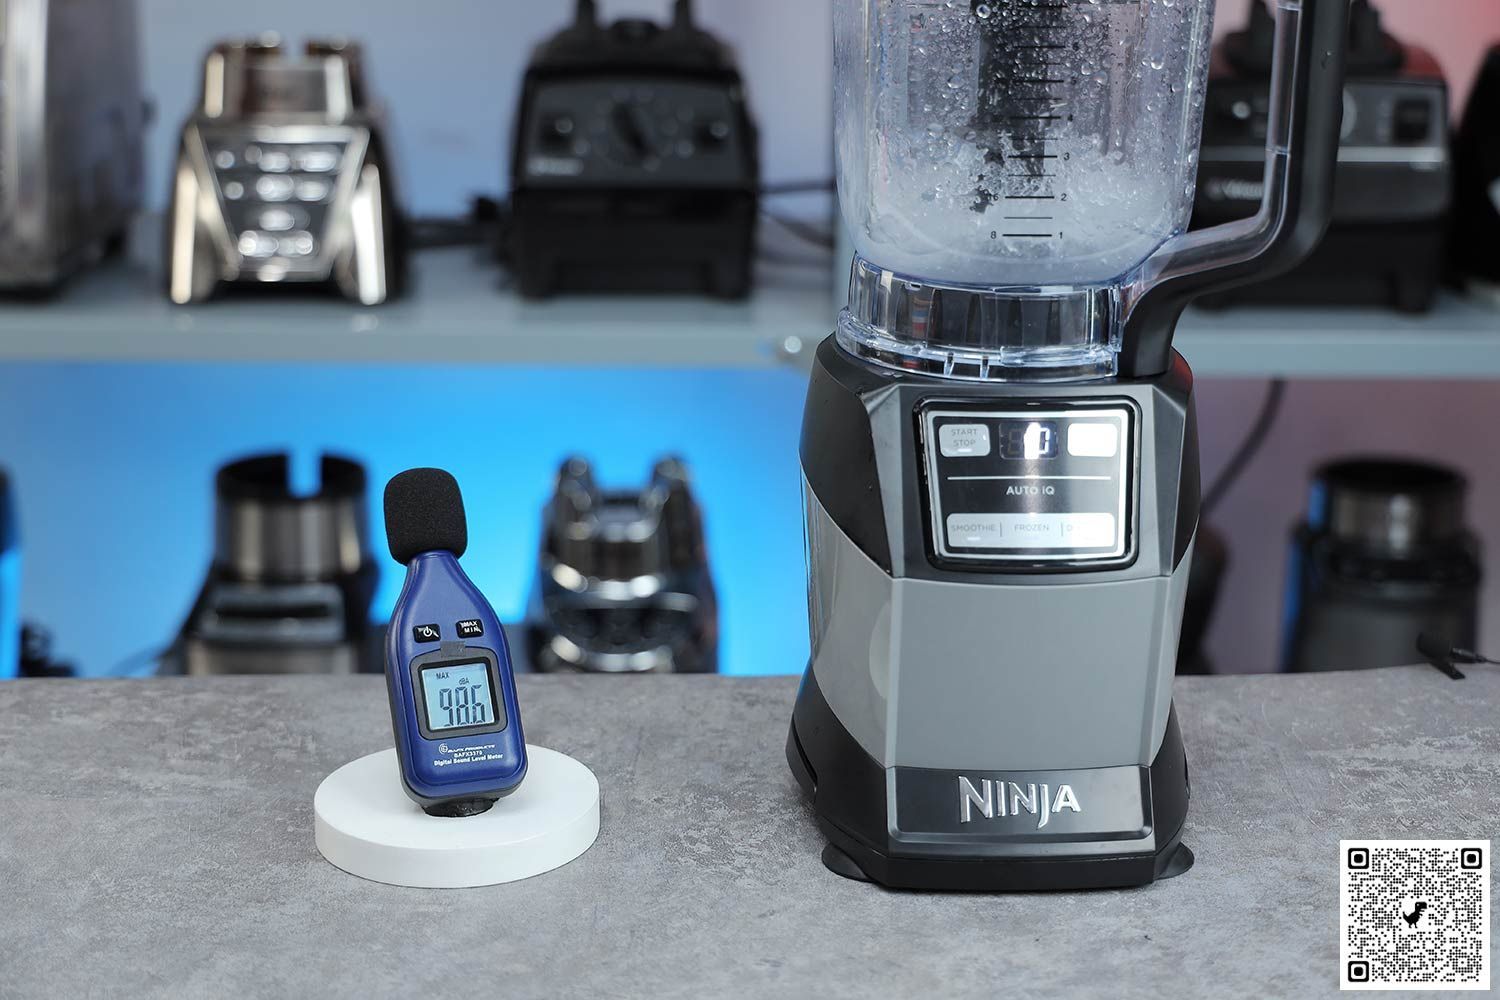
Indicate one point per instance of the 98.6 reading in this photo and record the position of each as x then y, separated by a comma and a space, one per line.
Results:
458, 696
463, 706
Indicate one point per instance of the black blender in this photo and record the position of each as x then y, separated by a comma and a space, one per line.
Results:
999, 452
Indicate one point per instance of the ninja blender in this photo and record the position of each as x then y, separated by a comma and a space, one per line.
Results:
999, 452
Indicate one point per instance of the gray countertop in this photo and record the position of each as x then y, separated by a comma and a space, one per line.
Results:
156, 839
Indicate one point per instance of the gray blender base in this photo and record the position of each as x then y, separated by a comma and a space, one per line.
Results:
908, 828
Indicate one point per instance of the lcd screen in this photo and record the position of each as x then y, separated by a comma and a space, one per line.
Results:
458, 695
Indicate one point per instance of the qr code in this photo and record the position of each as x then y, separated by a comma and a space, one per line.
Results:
1414, 914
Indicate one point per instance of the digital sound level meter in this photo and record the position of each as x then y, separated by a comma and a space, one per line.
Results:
447, 665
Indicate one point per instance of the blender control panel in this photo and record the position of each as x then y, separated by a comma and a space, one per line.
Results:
1039, 484
277, 193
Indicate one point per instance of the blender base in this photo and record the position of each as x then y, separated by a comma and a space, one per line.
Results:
1169, 864
864, 843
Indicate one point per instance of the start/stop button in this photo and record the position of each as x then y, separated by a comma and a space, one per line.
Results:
964, 440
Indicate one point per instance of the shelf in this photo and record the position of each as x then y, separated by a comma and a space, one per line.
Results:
461, 312
1459, 339
458, 311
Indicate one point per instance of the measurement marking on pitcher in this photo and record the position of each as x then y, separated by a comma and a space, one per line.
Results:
1036, 68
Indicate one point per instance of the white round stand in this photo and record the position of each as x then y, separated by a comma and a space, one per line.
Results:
366, 825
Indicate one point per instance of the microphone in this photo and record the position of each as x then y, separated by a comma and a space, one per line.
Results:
424, 512
1442, 654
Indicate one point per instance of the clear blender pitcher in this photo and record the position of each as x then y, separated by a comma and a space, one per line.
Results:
1018, 175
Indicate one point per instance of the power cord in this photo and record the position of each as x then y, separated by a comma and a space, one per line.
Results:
1442, 654
1254, 440
484, 225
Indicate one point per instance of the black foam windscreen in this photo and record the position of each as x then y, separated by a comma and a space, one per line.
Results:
424, 512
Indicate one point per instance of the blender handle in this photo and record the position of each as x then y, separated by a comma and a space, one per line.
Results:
1307, 106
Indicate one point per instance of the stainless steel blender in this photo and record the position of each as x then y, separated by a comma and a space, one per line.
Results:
999, 452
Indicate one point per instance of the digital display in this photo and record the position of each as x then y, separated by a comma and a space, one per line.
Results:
1028, 439
458, 696
1032, 485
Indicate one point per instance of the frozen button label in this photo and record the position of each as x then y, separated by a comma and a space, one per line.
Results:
1031, 531
964, 440
1093, 440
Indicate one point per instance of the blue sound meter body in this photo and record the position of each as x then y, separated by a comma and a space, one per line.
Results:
452, 692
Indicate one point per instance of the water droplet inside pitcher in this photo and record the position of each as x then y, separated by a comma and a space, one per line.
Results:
982, 11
